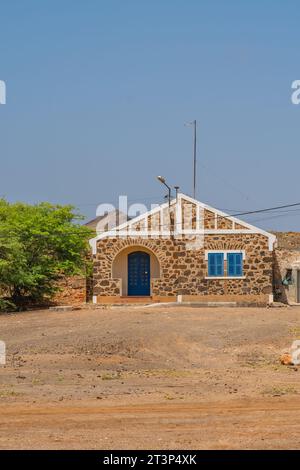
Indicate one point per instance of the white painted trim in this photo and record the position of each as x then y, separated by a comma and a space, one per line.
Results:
146, 223
272, 238
224, 277
197, 217
95, 300
119, 233
166, 233
225, 252
139, 233
249, 228
228, 231
178, 219
161, 220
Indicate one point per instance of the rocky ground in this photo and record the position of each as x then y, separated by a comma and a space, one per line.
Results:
135, 377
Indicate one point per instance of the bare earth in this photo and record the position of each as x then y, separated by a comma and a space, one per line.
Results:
154, 378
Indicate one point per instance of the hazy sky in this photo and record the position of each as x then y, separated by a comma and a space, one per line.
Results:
98, 93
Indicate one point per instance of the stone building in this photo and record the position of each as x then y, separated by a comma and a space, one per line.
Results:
286, 269
183, 251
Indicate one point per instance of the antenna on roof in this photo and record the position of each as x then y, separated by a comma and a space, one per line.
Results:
194, 124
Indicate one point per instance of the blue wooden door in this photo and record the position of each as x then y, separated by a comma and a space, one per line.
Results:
138, 273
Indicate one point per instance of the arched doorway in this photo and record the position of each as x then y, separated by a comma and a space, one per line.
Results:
138, 273
119, 268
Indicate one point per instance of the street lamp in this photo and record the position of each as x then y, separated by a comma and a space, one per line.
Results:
162, 180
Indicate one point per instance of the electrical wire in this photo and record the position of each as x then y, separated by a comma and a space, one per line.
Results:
269, 209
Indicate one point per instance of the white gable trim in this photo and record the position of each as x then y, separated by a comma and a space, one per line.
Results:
251, 228
223, 214
178, 228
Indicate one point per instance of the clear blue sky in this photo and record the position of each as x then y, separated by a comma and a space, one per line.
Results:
98, 93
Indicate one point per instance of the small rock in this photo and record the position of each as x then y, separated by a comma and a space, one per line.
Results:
286, 359
63, 308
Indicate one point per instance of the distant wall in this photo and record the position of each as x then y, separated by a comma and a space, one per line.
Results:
286, 258
288, 240
74, 291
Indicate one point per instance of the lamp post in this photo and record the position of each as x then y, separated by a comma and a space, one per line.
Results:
162, 180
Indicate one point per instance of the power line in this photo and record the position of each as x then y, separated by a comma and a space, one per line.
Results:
40, 235
232, 215
265, 210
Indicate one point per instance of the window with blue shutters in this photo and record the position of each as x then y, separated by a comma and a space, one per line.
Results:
215, 264
234, 264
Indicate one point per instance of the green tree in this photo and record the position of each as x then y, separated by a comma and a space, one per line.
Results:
38, 245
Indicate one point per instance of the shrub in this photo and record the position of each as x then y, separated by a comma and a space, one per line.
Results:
38, 245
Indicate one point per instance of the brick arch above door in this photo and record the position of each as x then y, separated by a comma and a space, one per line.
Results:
119, 266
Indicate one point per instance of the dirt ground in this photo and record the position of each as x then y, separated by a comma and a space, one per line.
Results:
153, 378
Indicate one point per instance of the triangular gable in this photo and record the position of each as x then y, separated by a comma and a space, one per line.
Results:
183, 216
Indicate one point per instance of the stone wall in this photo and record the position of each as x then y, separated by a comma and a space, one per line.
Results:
183, 268
288, 240
286, 260
73, 291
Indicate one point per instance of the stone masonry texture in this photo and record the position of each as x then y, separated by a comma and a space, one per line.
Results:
183, 268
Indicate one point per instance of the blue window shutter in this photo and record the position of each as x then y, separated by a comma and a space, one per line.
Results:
234, 264
239, 264
215, 264
230, 264
220, 264
211, 265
